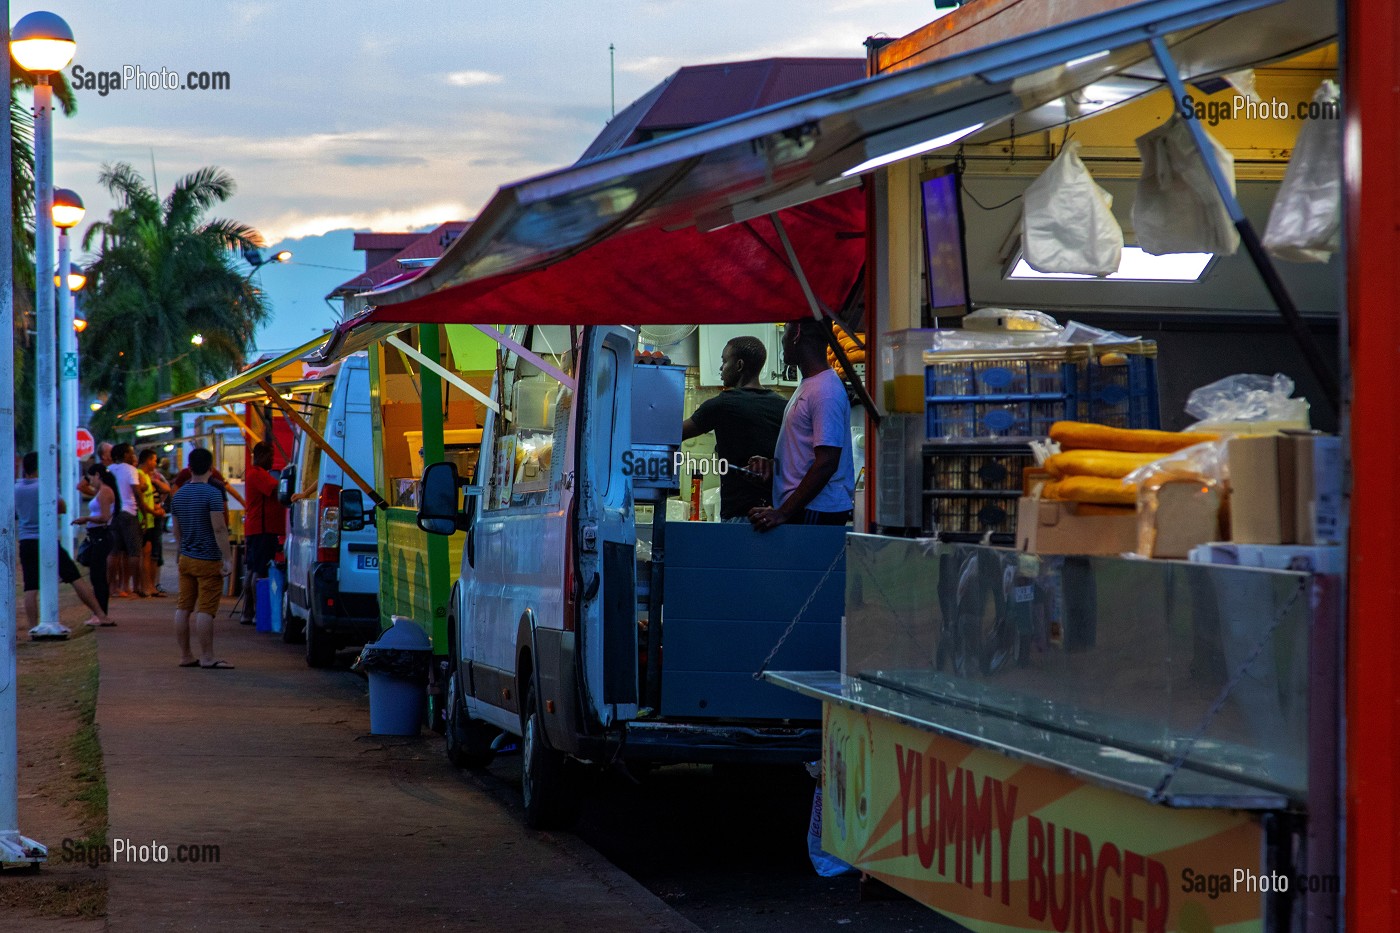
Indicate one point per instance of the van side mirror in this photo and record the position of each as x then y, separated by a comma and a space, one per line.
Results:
439, 495
286, 484
352, 510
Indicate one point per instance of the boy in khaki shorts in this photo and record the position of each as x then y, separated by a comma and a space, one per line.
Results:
201, 540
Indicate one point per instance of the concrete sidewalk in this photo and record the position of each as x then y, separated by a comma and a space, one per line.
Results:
319, 826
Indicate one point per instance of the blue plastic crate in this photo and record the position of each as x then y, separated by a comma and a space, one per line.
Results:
983, 395
1123, 394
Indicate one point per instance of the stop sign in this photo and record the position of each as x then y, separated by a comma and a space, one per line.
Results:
86, 445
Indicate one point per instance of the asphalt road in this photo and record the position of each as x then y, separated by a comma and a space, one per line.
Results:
727, 848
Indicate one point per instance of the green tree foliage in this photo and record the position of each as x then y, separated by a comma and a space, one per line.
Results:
163, 272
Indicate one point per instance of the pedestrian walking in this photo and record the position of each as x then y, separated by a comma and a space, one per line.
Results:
126, 524
99, 532
154, 492
27, 511
205, 558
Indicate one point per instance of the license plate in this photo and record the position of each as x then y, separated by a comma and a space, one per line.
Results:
367, 561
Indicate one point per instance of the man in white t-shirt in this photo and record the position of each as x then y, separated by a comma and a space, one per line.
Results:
126, 522
813, 469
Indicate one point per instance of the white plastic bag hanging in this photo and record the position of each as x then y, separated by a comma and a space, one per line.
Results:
1305, 224
1067, 222
1177, 209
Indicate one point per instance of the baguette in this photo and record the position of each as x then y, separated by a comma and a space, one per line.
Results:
1112, 464
1080, 435
1097, 489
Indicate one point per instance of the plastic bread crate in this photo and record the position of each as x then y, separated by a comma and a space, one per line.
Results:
972, 489
1121, 388
1002, 393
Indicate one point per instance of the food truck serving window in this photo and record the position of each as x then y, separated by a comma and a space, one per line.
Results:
529, 452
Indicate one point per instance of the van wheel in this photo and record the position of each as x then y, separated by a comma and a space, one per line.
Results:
468, 740
549, 784
320, 649
293, 629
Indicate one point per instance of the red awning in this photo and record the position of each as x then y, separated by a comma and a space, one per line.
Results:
735, 275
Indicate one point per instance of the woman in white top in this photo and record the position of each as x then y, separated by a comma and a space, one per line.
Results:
99, 534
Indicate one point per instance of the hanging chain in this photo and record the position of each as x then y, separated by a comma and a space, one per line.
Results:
1159, 794
840, 555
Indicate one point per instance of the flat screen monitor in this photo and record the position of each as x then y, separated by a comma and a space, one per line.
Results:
945, 247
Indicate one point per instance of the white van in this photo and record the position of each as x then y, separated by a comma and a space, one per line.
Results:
332, 592
574, 585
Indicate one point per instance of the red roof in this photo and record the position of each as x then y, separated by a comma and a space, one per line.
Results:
396, 241
706, 93
698, 94
428, 245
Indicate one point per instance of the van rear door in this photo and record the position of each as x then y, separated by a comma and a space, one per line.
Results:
605, 532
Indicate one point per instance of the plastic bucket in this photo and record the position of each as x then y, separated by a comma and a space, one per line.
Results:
395, 705
275, 588
262, 615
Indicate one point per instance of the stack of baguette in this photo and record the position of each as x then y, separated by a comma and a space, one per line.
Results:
855, 352
1094, 459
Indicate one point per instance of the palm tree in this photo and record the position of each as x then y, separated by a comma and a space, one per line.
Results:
163, 272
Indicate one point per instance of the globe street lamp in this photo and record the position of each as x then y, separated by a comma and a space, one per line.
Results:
40, 48
67, 213
77, 278
42, 44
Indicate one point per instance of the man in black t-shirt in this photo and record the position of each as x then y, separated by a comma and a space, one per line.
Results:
746, 419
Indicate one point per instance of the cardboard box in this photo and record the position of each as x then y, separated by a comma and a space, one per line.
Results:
1317, 491
1309, 559
1286, 488
1262, 482
1045, 526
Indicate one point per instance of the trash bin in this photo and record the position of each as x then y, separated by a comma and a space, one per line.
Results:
275, 587
397, 667
262, 614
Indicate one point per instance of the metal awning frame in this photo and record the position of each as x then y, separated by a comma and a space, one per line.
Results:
861, 117
787, 138
434, 366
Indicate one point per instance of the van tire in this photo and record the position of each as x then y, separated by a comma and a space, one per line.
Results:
549, 785
468, 740
293, 629
320, 648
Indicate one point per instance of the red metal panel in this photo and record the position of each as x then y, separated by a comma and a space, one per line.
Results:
734, 275
1372, 99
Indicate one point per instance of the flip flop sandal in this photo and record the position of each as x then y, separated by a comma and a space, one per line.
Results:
218, 666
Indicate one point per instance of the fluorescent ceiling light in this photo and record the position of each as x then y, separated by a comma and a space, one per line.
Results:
1085, 59
928, 145
1136, 266
873, 140
153, 431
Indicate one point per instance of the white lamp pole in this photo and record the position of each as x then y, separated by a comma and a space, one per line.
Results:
42, 44
14, 847
67, 213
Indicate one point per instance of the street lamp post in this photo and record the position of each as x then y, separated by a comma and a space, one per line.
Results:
45, 41
67, 214
42, 44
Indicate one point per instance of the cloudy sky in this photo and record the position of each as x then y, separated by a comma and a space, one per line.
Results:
358, 115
